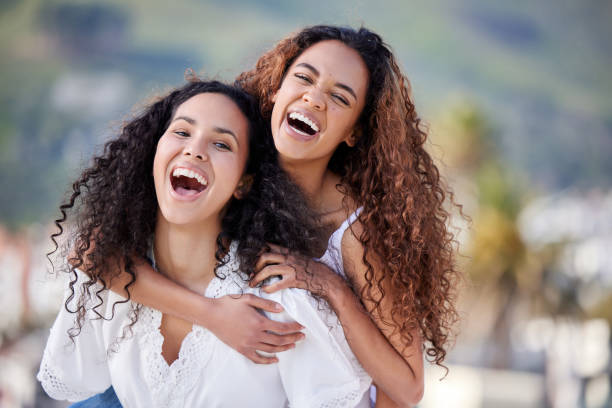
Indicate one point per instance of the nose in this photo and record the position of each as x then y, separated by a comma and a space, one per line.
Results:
196, 149
314, 98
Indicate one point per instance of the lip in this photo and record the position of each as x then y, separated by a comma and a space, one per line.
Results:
300, 136
193, 197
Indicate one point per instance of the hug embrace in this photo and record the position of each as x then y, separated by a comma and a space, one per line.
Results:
282, 241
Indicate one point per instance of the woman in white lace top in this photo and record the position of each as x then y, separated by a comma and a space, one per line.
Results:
194, 172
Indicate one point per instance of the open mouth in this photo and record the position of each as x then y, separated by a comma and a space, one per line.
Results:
187, 182
302, 124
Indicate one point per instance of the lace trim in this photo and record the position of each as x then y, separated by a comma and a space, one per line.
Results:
233, 281
346, 396
169, 384
50, 377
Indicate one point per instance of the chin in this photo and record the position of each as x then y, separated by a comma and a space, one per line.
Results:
290, 150
177, 217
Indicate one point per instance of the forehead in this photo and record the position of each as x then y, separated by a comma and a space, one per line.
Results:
337, 60
214, 110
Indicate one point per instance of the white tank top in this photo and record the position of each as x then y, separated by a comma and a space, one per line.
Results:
333, 259
333, 254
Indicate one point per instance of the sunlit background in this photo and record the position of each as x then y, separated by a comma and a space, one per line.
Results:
518, 97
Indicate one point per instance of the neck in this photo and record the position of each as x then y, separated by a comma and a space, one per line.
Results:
312, 178
186, 254
317, 183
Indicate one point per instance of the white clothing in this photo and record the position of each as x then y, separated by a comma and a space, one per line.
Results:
321, 371
333, 259
333, 254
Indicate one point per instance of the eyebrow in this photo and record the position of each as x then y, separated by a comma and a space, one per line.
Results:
338, 84
216, 129
186, 119
226, 131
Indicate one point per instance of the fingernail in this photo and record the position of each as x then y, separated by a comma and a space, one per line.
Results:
278, 307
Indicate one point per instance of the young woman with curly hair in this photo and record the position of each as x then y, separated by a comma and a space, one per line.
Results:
192, 185
347, 133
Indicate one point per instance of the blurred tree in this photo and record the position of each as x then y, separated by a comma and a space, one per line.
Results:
86, 28
503, 271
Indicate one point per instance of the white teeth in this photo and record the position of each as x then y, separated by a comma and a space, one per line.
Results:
299, 116
189, 173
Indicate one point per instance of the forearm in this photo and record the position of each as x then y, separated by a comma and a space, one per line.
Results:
154, 290
390, 371
383, 400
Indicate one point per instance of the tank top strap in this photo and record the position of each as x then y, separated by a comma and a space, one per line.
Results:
351, 219
333, 255
336, 238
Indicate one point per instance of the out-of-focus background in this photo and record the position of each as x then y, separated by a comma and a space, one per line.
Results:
518, 97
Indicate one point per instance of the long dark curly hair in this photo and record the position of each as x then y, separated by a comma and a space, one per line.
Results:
112, 208
391, 175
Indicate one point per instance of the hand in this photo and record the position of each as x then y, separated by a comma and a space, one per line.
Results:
295, 271
237, 323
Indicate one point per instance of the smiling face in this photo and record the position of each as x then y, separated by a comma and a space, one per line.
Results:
200, 159
319, 102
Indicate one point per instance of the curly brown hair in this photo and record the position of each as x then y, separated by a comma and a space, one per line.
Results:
391, 175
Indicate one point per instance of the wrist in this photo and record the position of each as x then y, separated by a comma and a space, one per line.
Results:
203, 311
337, 291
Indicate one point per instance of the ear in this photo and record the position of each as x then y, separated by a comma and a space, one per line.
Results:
243, 187
353, 137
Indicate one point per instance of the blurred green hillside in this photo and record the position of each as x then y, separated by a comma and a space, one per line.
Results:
72, 70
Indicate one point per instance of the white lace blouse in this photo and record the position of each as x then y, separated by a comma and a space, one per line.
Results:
321, 371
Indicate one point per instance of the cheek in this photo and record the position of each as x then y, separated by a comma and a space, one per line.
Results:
345, 121
157, 166
276, 111
284, 96
230, 167
162, 158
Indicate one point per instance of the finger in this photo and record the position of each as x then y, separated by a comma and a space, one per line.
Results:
268, 271
281, 284
270, 348
268, 258
281, 340
283, 328
274, 248
264, 304
259, 359
278, 249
